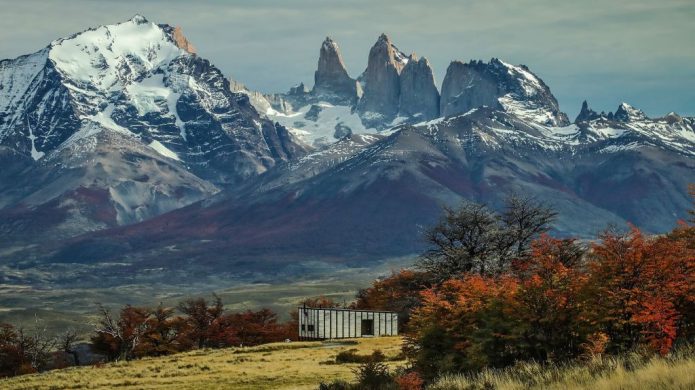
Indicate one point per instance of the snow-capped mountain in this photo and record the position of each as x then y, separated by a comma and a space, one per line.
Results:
131, 112
137, 78
125, 133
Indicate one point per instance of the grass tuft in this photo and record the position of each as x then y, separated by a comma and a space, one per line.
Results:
632, 371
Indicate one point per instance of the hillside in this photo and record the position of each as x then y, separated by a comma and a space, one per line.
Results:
277, 366
303, 366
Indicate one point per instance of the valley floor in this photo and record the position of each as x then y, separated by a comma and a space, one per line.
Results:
296, 365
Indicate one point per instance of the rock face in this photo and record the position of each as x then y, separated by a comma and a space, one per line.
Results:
419, 98
466, 86
381, 83
499, 85
627, 113
624, 114
331, 80
586, 114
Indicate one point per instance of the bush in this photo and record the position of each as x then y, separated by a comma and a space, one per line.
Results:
409, 381
374, 375
370, 375
336, 385
351, 356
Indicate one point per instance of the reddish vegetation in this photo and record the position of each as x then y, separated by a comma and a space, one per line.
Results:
626, 292
141, 331
630, 292
395, 293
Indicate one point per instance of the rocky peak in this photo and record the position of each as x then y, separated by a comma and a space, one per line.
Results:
298, 90
331, 80
586, 114
497, 84
139, 19
386, 51
627, 113
419, 96
381, 84
673, 118
467, 86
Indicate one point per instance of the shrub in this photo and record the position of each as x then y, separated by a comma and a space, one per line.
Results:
373, 375
351, 356
336, 385
409, 381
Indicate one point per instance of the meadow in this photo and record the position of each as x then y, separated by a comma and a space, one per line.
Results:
304, 365
296, 365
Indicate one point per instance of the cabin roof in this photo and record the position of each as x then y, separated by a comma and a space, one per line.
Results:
352, 310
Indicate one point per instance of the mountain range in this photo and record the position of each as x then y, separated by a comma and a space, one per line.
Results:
122, 144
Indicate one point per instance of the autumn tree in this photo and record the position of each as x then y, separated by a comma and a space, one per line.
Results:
12, 359
200, 316
548, 305
473, 238
399, 293
640, 288
23, 352
119, 338
164, 334
523, 219
66, 344
248, 328
463, 324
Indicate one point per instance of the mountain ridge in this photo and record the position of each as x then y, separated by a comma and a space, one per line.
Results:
124, 148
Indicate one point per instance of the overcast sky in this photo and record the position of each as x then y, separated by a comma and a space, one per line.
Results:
608, 51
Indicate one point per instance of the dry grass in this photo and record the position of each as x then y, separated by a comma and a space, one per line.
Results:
302, 366
271, 366
630, 372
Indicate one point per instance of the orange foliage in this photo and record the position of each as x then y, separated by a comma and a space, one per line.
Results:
397, 293
248, 328
410, 381
638, 285
631, 291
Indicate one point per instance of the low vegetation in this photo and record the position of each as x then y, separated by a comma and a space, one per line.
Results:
632, 371
295, 365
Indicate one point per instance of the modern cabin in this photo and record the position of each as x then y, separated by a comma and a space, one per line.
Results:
332, 323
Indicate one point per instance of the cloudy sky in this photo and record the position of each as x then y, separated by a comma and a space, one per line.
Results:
607, 51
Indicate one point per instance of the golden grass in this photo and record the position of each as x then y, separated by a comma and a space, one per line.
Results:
300, 365
294, 365
630, 372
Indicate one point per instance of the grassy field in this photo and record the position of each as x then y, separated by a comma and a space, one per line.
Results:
606, 373
299, 365
303, 365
